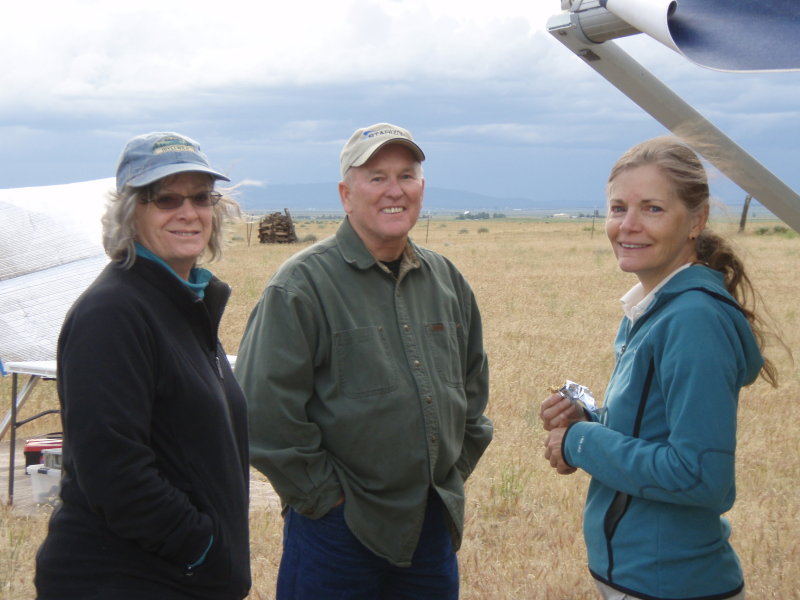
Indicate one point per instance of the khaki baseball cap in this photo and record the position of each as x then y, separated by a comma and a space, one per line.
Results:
368, 140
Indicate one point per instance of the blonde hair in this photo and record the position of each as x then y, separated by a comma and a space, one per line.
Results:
682, 167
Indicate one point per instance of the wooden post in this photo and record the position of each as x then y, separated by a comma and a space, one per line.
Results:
743, 220
249, 227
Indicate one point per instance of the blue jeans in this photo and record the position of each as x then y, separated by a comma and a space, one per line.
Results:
323, 560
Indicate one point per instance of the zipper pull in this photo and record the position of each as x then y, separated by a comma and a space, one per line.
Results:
219, 366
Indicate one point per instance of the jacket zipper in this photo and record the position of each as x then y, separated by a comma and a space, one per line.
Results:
218, 365
619, 505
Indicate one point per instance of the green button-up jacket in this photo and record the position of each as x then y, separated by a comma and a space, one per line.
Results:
367, 386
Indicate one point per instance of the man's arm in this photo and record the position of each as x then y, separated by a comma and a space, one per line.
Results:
275, 367
478, 429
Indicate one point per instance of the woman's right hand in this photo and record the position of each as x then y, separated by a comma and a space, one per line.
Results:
557, 411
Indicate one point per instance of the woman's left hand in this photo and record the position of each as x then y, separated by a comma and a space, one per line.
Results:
552, 451
557, 411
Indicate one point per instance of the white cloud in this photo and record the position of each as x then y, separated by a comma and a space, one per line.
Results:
82, 55
274, 89
251, 183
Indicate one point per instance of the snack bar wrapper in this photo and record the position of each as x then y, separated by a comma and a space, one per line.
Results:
577, 393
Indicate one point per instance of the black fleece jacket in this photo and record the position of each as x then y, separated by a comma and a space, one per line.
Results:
155, 446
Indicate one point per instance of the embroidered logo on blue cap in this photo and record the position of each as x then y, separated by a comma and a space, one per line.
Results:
173, 144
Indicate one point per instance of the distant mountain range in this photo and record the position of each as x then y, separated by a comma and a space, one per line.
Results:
324, 197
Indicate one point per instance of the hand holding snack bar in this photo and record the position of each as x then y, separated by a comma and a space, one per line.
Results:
566, 405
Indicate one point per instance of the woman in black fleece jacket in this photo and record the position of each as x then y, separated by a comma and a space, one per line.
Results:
154, 494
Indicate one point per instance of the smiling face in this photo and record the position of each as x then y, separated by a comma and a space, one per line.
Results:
177, 236
383, 198
650, 229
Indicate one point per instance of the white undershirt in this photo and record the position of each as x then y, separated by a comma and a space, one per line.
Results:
635, 303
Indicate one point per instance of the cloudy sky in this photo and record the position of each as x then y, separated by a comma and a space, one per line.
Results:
273, 89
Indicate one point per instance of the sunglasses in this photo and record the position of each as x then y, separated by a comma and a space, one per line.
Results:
173, 201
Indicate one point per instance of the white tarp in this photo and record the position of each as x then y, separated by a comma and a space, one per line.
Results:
50, 251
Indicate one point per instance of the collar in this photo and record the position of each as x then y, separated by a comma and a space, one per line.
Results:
635, 302
356, 253
198, 278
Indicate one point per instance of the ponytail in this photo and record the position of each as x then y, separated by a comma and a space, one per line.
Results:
716, 252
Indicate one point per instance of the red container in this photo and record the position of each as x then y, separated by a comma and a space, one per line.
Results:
34, 447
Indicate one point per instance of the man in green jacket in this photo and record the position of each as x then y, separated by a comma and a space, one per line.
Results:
366, 379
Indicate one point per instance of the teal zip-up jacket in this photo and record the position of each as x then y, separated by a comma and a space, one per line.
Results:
367, 386
662, 460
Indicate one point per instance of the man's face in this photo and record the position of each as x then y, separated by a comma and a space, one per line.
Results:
383, 198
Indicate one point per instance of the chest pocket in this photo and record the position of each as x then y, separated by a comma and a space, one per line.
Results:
443, 341
364, 366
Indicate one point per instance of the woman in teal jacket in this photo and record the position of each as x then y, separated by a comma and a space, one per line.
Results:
661, 452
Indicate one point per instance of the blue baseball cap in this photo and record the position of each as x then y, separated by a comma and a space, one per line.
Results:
153, 156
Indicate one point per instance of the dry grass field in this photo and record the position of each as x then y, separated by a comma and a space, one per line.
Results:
549, 297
